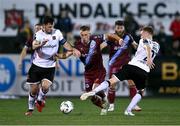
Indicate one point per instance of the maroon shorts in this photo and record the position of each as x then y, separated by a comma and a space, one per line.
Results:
114, 68
95, 77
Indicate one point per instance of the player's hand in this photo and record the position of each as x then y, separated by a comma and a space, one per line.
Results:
44, 42
55, 56
120, 42
150, 63
76, 52
69, 53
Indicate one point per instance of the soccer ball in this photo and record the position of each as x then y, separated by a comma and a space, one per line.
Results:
66, 107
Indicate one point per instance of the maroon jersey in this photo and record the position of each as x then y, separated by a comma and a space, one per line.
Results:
91, 57
28, 45
119, 55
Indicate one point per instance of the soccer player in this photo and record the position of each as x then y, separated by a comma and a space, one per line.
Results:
28, 46
137, 69
119, 56
42, 69
91, 56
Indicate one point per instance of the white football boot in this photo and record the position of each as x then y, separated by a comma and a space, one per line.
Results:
84, 96
111, 108
128, 113
105, 106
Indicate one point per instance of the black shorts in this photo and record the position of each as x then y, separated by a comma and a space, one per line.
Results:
130, 72
36, 74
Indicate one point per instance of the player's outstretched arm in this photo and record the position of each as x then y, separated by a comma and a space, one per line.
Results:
103, 45
22, 56
64, 55
70, 48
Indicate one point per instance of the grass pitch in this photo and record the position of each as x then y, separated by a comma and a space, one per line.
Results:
156, 111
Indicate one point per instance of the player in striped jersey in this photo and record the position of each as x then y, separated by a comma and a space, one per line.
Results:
91, 56
119, 56
137, 69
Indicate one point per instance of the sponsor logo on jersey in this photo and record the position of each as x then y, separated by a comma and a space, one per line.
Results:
54, 37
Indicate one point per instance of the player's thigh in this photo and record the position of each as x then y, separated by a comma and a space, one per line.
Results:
140, 79
33, 75
99, 77
47, 76
123, 74
88, 83
34, 88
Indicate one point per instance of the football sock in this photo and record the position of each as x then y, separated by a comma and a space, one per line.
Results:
132, 91
104, 85
134, 101
97, 100
41, 94
31, 102
111, 95
101, 94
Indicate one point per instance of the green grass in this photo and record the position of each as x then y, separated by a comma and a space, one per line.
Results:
156, 111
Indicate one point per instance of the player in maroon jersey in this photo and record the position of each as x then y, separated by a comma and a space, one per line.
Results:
28, 46
91, 56
119, 56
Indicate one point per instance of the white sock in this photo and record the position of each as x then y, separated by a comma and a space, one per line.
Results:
134, 101
104, 85
31, 102
40, 95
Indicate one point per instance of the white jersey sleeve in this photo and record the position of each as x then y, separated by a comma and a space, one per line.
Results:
140, 57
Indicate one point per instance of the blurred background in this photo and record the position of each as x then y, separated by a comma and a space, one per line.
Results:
18, 17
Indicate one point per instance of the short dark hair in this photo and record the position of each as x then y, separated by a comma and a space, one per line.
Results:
177, 14
38, 24
119, 22
48, 19
85, 28
148, 29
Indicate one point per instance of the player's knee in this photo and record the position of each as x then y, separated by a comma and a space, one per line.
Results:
141, 92
132, 86
109, 83
112, 81
95, 85
45, 87
112, 87
131, 83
